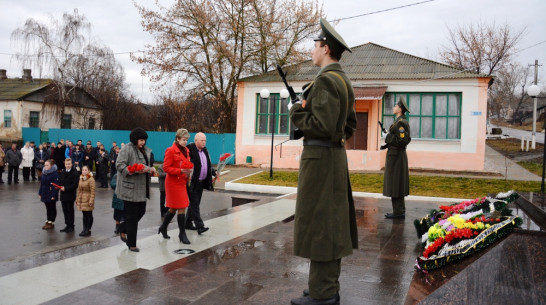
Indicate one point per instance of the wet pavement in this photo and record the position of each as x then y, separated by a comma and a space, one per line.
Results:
246, 257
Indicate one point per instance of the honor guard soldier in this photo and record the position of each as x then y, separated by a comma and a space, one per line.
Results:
396, 178
325, 222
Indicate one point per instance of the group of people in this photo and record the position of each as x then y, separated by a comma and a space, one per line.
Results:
32, 158
182, 167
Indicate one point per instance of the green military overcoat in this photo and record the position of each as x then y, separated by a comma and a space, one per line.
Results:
396, 179
325, 221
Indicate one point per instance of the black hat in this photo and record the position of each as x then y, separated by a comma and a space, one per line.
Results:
402, 104
331, 37
137, 134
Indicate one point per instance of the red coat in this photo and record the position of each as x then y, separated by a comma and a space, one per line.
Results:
175, 182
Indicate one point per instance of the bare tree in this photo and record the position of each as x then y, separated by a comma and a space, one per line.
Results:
52, 48
63, 51
205, 47
482, 47
509, 91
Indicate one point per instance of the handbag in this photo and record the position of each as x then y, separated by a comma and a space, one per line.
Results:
39, 166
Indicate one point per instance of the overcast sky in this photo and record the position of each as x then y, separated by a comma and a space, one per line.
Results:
419, 30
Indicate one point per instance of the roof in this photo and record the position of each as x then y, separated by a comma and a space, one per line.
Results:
37, 90
373, 62
13, 89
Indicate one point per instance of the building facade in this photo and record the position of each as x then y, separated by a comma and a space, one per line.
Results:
28, 102
447, 112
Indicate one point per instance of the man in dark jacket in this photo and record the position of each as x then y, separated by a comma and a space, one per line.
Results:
202, 178
69, 180
58, 155
89, 156
325, 218
14, 159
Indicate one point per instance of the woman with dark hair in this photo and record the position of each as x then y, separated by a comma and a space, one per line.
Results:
49, 193
179, 168
133, 184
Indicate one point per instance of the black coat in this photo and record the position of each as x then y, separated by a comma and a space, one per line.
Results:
196, 160
396, 178
70, 181
48, 191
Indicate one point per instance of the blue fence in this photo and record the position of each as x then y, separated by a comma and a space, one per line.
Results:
217, 144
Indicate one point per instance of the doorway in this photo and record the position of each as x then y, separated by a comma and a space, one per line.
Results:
359, 140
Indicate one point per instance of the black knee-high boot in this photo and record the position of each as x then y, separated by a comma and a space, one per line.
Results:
166, 222
181, 218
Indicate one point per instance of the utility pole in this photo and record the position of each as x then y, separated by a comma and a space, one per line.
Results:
533, 145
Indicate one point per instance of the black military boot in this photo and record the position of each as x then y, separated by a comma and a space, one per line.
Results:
166, 222
307, 300
181, 218
85, 230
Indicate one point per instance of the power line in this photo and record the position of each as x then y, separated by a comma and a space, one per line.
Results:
382, 11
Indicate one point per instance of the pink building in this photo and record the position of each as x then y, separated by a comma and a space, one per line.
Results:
447, 115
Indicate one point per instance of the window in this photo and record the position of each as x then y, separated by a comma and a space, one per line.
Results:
91, 123
264, 115
7, 118
66, 122
34, 120
432, 115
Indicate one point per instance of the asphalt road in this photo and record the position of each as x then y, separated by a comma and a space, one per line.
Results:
518, 133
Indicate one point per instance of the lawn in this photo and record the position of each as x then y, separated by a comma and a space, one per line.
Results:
420, 185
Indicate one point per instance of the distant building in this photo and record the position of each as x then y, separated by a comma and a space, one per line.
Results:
448, 112
28, 102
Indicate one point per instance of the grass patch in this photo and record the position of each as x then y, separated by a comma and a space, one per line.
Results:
433, 186
533, 167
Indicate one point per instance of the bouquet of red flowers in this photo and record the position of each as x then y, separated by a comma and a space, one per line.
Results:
137, 167
224, 159
186, 164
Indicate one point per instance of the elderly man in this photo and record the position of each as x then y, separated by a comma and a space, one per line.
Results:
202, 178
14, 159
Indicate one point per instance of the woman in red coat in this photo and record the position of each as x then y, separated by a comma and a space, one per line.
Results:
178, 167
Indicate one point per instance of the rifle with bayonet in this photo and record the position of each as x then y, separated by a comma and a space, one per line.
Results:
384, 146
296, 133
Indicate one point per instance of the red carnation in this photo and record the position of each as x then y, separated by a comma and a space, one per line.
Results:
225, 156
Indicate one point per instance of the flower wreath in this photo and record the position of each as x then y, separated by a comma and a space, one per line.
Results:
461, 229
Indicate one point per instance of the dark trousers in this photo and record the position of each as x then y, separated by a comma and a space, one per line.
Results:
324, 279
26, 173
1, 172
133, 213
398, 206
113, 170
68, 212
194, 210
51, 209
103, 179
162, 208
13, 170
33, 172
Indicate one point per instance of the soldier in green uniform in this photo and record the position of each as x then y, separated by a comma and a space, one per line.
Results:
325, 222
396, 179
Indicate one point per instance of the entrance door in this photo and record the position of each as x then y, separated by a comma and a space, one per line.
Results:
359, 140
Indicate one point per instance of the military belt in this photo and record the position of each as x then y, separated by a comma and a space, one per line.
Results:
397, 148
323, 143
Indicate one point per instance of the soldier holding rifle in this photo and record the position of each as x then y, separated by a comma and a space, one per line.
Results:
325, 223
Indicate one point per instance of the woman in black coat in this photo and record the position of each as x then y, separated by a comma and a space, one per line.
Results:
48, 193
69, 180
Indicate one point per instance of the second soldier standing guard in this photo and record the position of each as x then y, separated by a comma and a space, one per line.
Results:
396, 178
325, 222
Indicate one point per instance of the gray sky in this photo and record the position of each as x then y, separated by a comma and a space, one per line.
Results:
419, 30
